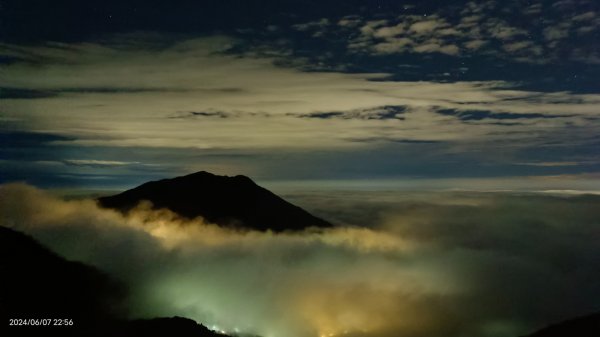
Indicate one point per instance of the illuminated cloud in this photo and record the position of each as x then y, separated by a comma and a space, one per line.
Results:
132, 96
480, 26
92, 162
422, 269
324, 22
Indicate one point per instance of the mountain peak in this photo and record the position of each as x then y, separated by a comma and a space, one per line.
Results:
228, 201
205, 175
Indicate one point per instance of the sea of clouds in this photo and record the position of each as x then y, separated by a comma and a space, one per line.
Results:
398, 264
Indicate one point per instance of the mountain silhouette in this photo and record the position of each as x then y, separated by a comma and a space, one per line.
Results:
585, 326
227, 201
164, 327
36, 283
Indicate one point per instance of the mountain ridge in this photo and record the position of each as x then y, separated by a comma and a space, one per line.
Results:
582, 326
38, 284
235, 201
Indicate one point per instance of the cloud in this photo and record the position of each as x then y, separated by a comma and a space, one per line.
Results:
587, 16
387, 32
485, 30
454, 264
175, 102
313, 25
475, 44
370, 27
534, 9
434, 47
469, 115
555, 33
324, 115
98, 163
551, 163
502, 30
379, 113
412, 34
349, 21
168, 96
427, 26
513, 47
394, 46
196, 114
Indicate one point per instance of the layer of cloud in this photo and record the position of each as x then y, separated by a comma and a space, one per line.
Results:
97, 163
485, 28
157, 95
451, 264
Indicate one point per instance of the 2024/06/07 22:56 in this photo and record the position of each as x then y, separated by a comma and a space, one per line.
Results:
40, 322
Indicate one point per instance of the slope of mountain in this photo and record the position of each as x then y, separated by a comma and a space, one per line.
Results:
74, 299
586, 326
36, 283
165, 327
228, 201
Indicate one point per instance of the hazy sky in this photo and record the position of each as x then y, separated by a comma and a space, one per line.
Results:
111, 94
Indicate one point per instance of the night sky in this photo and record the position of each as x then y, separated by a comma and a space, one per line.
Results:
114, 93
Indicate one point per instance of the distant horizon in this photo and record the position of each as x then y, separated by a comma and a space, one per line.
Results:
533, 184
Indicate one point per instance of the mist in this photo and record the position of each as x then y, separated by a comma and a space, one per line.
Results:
424, 264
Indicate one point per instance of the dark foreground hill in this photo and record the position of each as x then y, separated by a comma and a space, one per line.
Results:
36, 283
163, 327
227, 201
74, 299
586, 326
